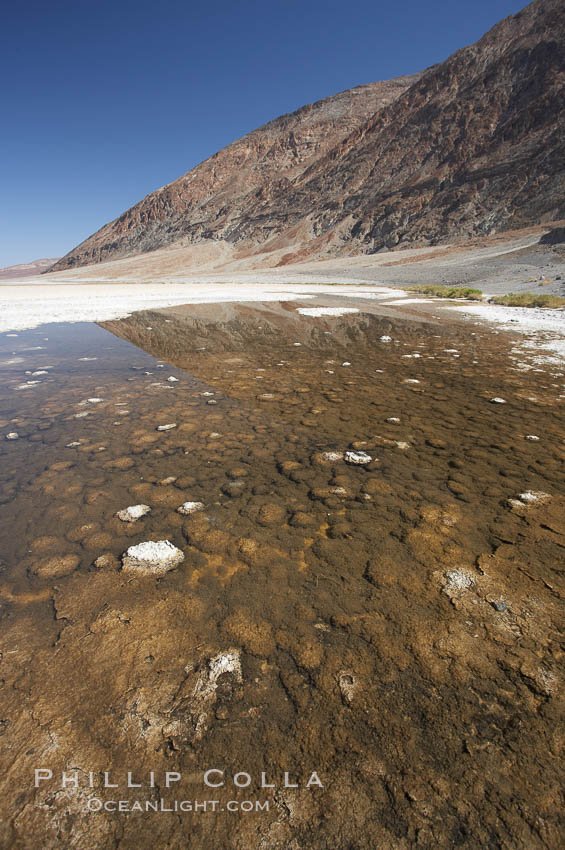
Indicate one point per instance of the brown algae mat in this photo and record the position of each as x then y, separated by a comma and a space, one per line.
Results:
363, 640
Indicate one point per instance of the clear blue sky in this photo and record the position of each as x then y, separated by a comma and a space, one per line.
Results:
103, 102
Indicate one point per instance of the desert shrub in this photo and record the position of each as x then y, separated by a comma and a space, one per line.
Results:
448, 291
529, 299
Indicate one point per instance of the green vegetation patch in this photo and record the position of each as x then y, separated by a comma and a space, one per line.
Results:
448, 291
529, 299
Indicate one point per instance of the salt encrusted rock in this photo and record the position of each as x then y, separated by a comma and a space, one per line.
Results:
190, 507
13, 435
172, 380
153, 558
532, 497
327, 457
133, 513
531, 437
394, 420
497, 400
386, 338
225, 663
347, 686
107, 561
168, 427
456, 581
358, 458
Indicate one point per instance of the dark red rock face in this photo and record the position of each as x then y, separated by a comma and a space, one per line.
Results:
473, 146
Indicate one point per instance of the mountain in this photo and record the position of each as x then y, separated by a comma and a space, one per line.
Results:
27, 269
474, 145
222, 187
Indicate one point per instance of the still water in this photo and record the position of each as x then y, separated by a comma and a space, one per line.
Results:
364, 593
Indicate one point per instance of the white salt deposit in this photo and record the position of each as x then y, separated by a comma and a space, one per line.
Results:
72, 298
317, 312
168, 427
528, 320
457, 580
225, 663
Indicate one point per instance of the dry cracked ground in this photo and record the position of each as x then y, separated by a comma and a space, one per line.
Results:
371, 587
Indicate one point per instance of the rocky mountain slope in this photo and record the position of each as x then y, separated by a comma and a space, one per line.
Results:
473, 146
219, 190
27, 269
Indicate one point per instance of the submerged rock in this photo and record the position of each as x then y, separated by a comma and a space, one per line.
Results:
57, 566
152, 557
